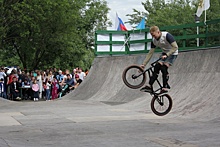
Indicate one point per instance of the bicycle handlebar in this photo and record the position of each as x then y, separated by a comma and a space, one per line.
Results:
152, 64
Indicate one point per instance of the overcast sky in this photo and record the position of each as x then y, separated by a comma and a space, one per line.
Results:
123, 7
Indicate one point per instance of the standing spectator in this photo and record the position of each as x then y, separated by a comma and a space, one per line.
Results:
81, 74
32, 74
48, 86
15, 73
40, 83
6, 81
35, 88
21, 76
60, 78
43, 77
10, 77
50, 76
44, 90
9, 81
47, 72
18, 70
2, 73
55, 73
28, 76
14, 89
32, 80
54, 88
50, 79
31, 84
35, 73
2, 89
3, 76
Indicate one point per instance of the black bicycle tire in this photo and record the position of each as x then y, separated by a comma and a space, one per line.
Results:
129, 84
167, 110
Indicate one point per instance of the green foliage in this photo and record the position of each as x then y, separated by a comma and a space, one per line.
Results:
174, 12
40, 34
177, 12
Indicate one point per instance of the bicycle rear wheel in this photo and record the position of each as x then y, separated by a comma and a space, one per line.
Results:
161, 105
134, 77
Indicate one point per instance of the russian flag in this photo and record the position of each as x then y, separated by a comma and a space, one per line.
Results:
119, 25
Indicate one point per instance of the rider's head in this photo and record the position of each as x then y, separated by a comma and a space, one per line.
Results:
155, 32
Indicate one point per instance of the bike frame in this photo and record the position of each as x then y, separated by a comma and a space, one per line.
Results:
161, 103
150, 71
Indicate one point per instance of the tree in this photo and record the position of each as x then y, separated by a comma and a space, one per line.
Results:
41, 34
175, 12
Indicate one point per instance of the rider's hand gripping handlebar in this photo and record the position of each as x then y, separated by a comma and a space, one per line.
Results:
152, 64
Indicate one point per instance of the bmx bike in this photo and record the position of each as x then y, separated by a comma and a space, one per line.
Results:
135, 77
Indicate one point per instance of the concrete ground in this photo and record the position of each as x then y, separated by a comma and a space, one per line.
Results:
102, 111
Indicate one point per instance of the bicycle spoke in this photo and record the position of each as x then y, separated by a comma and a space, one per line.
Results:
133, 77
134, 73
161, 104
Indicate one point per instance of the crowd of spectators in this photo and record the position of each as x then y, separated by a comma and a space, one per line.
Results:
39, 84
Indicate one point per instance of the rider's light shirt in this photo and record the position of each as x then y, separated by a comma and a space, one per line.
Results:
164, 42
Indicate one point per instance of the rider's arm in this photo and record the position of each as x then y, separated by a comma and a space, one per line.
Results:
173, 49
172, 42
148, 57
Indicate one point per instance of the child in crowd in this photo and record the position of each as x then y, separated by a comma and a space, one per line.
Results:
48, 85
54, 88
35, 88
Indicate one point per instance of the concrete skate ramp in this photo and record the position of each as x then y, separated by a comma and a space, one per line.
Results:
194, 78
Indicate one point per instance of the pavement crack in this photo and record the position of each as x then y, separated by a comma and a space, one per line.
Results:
171, 142
6, 143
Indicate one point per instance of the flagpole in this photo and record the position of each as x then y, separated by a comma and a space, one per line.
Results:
197, 29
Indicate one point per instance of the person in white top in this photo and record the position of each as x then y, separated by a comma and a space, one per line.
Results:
167, 43
2, 73
81, 74
50, 76
40, 83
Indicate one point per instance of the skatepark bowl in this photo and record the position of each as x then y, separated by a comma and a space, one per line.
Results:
103, 112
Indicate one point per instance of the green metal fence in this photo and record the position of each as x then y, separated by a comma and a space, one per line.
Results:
188, 36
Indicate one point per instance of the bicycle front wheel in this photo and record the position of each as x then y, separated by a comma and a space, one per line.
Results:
161, 105
134, 77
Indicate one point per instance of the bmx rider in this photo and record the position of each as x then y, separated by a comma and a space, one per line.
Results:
167, 43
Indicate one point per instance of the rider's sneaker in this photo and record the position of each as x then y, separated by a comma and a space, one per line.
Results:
164, 90
146, 89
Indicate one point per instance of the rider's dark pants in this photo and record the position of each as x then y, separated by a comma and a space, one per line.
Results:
165, 75
154, 76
